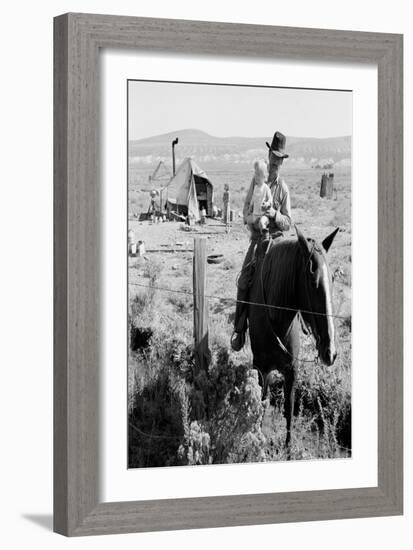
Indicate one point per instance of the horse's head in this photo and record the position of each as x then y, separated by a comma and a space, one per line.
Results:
316, 294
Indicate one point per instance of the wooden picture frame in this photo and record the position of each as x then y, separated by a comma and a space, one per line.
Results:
78, 39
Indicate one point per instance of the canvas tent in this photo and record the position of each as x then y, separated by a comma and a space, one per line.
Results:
190, 190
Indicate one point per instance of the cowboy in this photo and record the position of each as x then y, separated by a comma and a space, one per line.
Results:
279, 214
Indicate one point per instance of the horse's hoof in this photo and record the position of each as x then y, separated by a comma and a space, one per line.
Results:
288, 452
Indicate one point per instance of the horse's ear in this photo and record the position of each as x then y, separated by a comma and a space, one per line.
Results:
304, 244
329, 240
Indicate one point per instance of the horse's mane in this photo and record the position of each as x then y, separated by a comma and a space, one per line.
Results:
279, 275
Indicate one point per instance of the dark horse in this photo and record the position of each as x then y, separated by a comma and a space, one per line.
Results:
294, 275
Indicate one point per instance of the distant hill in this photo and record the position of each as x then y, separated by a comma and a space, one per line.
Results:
211, 149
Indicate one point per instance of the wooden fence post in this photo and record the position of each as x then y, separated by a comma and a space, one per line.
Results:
200, 304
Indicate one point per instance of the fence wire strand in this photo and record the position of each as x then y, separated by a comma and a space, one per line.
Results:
235, 300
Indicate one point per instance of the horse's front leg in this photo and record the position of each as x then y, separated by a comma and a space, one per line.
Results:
290, 377
263, 382
289, 394
259, 362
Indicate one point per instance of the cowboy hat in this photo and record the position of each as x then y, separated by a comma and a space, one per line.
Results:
277, 146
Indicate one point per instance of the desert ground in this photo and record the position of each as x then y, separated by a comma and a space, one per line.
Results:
175, 419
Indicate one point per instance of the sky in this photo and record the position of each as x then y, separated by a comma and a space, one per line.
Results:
246, 111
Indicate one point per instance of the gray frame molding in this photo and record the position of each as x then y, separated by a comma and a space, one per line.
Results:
78, 39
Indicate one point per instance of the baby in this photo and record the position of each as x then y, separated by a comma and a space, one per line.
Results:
260, 200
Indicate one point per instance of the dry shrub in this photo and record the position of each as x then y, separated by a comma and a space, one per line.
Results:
182, 303
179, 415
152, 270
323, 397
228, 401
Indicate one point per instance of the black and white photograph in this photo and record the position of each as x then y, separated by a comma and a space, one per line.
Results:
239, 274
205, 320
